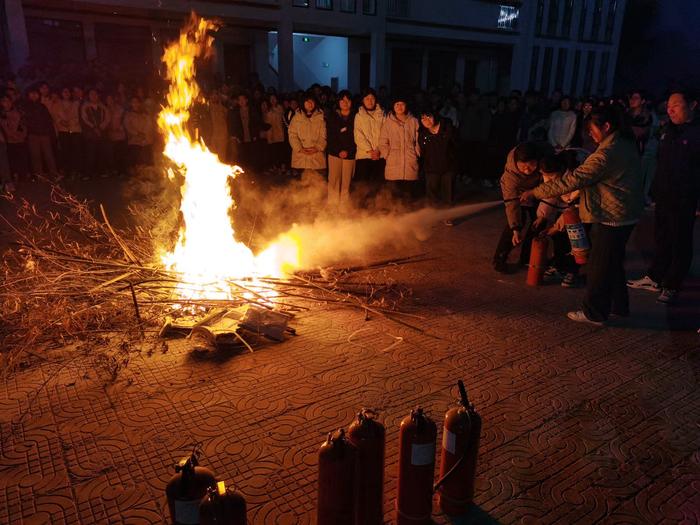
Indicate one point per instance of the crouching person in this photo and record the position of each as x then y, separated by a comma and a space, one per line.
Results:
520, 174
307, 137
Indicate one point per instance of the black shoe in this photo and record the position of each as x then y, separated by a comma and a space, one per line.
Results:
500, 266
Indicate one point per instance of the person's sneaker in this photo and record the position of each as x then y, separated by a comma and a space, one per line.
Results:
667, 296
580, 317
552, 274
645, 283
570, 280
500, 266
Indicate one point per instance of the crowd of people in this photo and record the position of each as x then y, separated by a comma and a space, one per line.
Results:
607, 157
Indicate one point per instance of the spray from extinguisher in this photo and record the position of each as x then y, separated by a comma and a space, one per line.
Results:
460, 449
417, 440
222, 506
337, 467
187, 487
577, 235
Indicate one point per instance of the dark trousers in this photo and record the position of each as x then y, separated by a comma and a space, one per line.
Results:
403, 190
563, 260
606, 284
18, 155
70, 152
438, 187
505, 243
368, 180
673, 243
116, 156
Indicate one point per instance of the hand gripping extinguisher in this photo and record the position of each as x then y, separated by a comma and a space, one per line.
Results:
577, 235
222, 506
538, 260
460, 448
414, 499
337, 464
368, 436
187, 487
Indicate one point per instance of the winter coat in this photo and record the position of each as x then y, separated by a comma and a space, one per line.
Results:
13, 127
562, 128
439, 150
115, 129
139, 128
236, 125
308, 132
610, 181
274, 118
95, 119
513, 183
340, 132
398, 144
677, 176
640, 124
66, 116
38, 119
367, 127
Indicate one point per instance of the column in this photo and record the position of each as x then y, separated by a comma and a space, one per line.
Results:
17, 41
619, 15
89, 38
377, 52
285, 53
424, 69
521, 56
459, 70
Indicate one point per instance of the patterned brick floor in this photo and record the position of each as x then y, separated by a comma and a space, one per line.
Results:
581, 424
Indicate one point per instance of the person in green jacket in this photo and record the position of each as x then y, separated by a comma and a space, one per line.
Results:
612, 202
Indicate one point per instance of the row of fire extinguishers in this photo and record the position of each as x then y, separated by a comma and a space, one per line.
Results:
351, 474
351, 468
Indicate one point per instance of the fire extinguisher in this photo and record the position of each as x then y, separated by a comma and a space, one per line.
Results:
337, 464
538, 260
414, 499
222, 506
577, 235
368, 435
460, 448
187, 487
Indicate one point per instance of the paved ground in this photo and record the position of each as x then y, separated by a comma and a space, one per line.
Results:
581, 424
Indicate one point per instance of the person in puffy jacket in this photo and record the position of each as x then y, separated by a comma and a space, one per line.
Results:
66, 118
562, 125
94, 118
307, 137
438, 145
369, 166
398, 144
341, 151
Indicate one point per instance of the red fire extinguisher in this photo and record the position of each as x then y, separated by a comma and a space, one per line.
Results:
187, 487
577, 235
337, 464
460, 448
414, 499
538, 260
368, 435
222, 506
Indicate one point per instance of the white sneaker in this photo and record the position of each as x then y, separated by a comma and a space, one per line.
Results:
580, 317
645, 283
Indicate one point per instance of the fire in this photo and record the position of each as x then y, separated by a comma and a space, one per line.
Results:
206, 255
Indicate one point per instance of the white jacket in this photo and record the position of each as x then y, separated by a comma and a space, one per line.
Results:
398, 143
308, 132
562, 127
368, 125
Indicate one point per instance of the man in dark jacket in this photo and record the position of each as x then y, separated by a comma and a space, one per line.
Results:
676, 189
245, 125
438, 145
40, 135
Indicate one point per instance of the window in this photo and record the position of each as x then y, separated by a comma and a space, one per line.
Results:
399, 8
533, 66
582, 20
610, 25
540, 16
574, 73
588, 79
348, 6
561, 68
324, 4
603, 73
300, 3
597, 16
508, 17
553, 17
546, 70
369, 7
566, 20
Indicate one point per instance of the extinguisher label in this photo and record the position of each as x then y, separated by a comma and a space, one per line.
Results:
449, 441
422, 454
577, 236
187, 512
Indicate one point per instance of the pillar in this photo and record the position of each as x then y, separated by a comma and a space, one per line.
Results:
285, 53
89, 38
17, 41
459, 70
377, 52
424, 69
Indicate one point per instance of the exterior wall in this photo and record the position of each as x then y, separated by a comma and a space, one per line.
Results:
491, 45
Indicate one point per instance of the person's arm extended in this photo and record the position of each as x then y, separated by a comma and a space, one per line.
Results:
511, 199
587, 174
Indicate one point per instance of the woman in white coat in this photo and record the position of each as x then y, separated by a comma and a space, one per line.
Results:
398, 144
307, 137
562, 125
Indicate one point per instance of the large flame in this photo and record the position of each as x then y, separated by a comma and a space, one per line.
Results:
206, 254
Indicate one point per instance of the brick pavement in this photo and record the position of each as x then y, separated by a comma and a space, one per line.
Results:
581, 424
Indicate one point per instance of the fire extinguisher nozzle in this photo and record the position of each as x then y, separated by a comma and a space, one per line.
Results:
463, 393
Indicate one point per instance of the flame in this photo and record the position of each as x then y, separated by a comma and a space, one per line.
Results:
206, 255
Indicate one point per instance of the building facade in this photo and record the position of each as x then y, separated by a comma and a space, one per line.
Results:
570, 45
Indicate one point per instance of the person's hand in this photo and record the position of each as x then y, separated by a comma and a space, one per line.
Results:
343, 154
538, 222
517, 237
375, 154
236, 140
526, 196
309, 151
